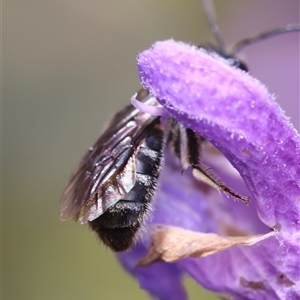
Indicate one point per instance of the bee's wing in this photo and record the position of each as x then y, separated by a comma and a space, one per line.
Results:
107, 171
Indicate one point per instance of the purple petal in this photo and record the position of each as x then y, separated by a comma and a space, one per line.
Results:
267, 270
236, 113
161, 280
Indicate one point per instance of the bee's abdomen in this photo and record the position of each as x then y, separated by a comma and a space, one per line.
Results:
118, 226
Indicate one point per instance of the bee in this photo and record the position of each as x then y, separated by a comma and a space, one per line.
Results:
115, 182
112, 188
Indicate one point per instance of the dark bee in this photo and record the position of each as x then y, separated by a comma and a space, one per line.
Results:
114, 184
115, 181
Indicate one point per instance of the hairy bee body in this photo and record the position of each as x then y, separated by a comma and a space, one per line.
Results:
113, 186
118, 226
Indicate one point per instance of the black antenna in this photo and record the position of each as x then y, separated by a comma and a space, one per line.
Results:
212, 23
215, 30
264, 35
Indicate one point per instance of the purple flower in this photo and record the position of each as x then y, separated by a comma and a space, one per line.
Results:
236, 114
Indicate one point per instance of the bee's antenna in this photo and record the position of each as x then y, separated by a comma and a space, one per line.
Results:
264, 35
212, 23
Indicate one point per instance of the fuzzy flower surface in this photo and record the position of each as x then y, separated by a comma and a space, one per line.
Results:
238, 116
